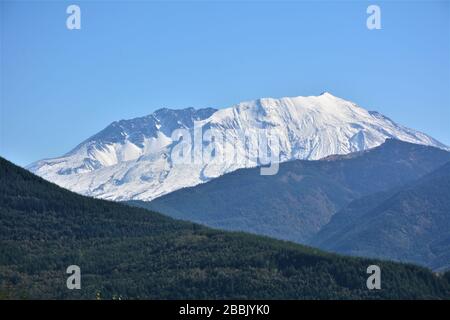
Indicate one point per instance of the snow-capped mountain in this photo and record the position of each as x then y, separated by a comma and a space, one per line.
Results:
132, 159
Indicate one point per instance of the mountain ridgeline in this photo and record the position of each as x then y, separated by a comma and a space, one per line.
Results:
126, 252
302, 199
411, 223
132, 159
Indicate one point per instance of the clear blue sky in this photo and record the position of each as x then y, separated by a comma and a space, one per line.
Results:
59, 87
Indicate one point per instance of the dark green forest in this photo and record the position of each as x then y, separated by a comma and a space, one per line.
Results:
131, 253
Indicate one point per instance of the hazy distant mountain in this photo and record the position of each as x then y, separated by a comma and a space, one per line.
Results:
131, 159
131, 253
410, 223
297, 202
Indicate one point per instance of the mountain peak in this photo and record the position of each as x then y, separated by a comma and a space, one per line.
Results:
329, 95
132, 158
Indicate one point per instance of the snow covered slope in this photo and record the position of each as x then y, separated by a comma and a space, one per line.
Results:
132, 159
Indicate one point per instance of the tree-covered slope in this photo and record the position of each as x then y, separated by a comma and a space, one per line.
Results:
302, 197
133, 253
411, 223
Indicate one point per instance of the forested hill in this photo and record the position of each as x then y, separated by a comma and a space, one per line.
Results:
303, 196
414, 221
134, 253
